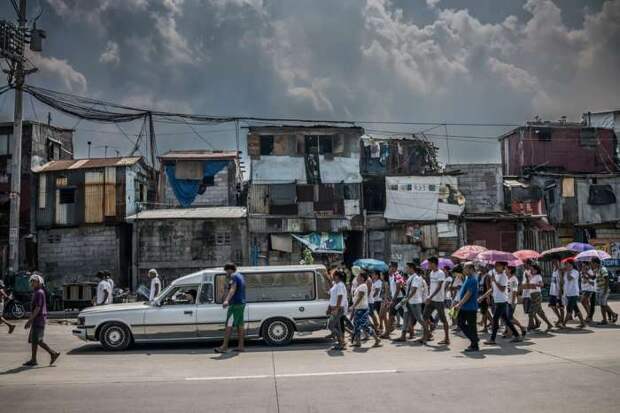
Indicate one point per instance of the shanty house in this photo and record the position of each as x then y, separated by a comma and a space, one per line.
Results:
81, 211
41, 143
304, 192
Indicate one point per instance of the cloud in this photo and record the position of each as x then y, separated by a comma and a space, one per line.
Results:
110, 54
51, 67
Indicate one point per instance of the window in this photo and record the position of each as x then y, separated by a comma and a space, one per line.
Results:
222, 238
601, 195
544, 134
53, 151
588, 137
4, 143
323, 285
266, 145
206, 294
182, 295
272, 287
326, 144
42, 190
66, 195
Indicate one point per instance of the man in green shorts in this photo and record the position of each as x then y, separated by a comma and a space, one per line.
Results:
235, 302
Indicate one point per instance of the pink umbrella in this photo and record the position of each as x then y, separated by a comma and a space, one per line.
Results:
525, 255
589, 254
468, 252
443, 263
493, 256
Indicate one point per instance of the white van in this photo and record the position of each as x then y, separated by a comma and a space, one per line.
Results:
279, 301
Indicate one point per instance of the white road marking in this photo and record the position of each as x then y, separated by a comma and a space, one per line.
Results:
292, 375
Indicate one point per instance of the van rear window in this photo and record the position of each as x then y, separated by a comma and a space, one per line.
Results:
272, 287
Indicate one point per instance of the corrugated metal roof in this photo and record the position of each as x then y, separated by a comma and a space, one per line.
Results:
199, 155
87, 163
191, 213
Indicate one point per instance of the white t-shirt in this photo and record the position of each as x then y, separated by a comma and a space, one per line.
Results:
512, 288
155, 284
536, 279
416, 281
363, 304
571, 286
392, 280
336, 290
554, 285
525, 293
376, 291
437, 277
499, 296
587, 283
446, 285
371, 299
102, 287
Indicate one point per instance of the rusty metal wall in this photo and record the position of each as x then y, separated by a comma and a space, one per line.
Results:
93, 197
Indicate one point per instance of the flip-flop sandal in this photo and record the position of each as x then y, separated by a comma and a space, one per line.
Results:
220, 351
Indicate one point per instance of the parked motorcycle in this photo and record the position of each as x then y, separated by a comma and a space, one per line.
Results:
13, 309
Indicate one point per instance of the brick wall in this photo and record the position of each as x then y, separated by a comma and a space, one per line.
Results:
69, 254
178, 247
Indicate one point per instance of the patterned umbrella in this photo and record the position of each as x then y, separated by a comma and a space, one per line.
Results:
556, 253
588, 255
493, 256
370, 264
468, 252
579, 247
525, 255
443, 263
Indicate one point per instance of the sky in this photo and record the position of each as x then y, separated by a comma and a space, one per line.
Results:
447, 61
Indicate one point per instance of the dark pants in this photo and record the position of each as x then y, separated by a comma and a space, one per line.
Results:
501, 311
592, 305
467, 324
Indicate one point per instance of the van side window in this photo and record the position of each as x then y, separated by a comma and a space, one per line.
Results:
279, 286
206, 293
323, 283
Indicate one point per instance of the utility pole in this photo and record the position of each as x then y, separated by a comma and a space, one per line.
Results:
12, 46
16, 156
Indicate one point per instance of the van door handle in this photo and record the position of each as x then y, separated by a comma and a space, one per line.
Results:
188, 312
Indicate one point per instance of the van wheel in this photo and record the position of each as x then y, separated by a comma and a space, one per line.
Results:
115, 337
278, 332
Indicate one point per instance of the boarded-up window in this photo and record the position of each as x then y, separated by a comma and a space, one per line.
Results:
42, 190
93, 197
110, 192
568, 187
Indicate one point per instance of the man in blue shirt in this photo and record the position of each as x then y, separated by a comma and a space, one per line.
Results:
235, 303
468, 307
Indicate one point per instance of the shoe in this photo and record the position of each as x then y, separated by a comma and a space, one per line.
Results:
471, 349
602, 323
444, 343
490, 343
516, 340
523, 331
11, 328
399, 340
54, 358
30, 363
615, 318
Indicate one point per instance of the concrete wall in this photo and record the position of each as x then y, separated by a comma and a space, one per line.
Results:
482, 186
220, 194
68, 254
178, 247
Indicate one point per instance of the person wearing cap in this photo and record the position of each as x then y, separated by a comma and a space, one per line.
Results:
499, 281
468, 307
155, 284
3, 296
602, 291
36, 322
571, 290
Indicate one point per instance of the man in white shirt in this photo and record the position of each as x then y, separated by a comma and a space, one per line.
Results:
415, 291
155, 284
555, 300
435, 300
499, 281
571, 290
108, 278
103, 290
338, 305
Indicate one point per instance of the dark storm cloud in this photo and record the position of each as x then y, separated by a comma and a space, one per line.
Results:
416, 60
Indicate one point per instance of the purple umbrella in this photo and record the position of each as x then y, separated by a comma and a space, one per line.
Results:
443, 263
579, 247
493, 256
588, 255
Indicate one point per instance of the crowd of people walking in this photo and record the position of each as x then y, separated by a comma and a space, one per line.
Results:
373, 304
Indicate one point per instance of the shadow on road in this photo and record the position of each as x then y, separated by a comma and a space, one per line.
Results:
571, 330
19, 369
206, 347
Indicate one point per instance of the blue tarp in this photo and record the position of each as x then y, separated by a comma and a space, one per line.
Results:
186, 190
